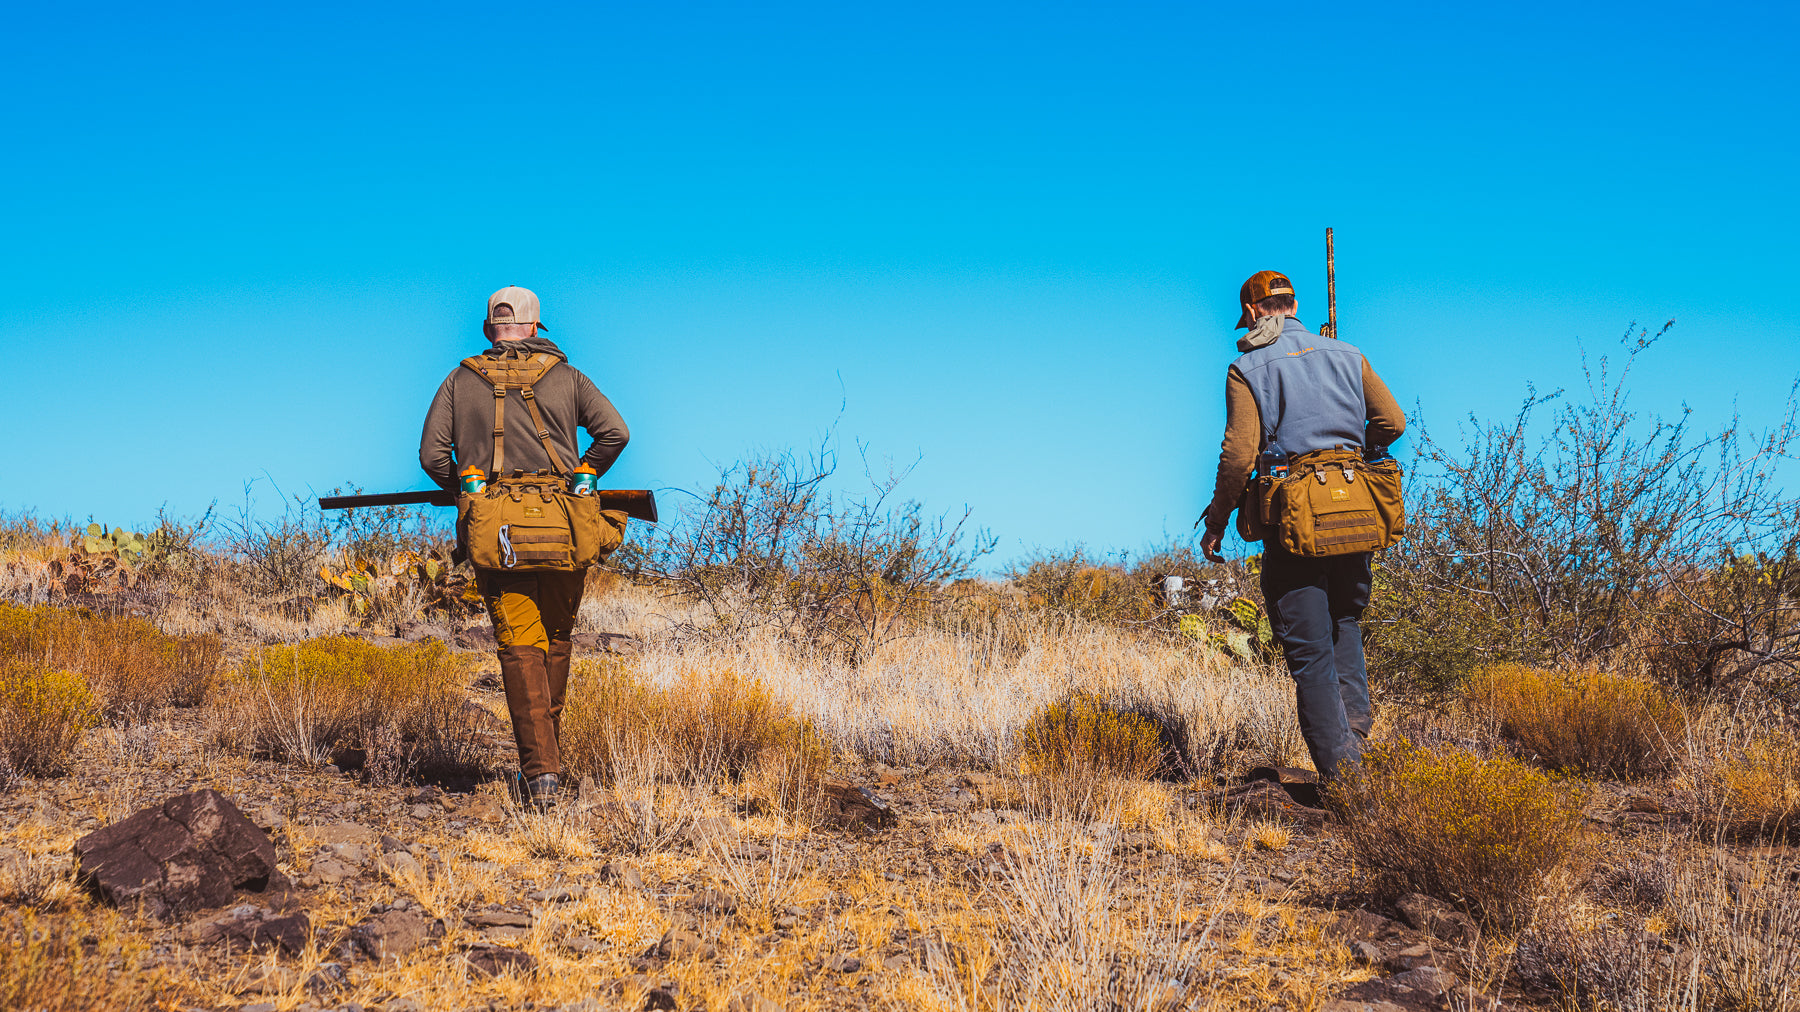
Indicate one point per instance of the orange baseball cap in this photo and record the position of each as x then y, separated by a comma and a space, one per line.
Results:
513, 304
1261, 285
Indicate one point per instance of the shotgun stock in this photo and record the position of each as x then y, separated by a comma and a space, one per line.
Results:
636, 503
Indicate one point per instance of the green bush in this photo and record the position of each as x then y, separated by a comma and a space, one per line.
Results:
1486, 834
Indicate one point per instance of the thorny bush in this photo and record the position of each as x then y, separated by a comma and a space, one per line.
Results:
1562, 541
772, 547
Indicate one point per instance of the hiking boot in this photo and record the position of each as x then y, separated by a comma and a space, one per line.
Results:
543, 790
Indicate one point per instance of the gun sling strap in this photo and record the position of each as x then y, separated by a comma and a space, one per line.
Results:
511, 372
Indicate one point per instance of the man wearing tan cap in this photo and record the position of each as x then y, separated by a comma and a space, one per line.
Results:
533, 612
1292, 392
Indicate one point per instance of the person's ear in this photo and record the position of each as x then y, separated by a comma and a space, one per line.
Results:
1250, 311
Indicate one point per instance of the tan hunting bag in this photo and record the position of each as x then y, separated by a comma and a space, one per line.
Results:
1333, 502
531, 521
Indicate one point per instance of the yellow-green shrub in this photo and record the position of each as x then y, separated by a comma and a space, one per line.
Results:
1483, 833
1086, 730
133, 667
43, 712
344, 697
711, 724
1584, 721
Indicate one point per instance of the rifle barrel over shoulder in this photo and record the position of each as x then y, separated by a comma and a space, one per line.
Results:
637, 503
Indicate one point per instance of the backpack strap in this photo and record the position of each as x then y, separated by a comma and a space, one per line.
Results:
510, 371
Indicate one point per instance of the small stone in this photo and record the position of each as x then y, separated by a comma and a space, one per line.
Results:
494, 961
1365, 953
403, 1005
713, 901
659, 998
1429, 979
346, 832
329, 871
679, 943
896, 963
888, 778
399, 864
752, 1002
498, 919
582, 945
422, 812
327, 979
625, 875
560, 894
843, 964
1437, 918
390, 935
261, 1006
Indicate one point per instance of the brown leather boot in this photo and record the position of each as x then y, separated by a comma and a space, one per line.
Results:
561, 653
525, 673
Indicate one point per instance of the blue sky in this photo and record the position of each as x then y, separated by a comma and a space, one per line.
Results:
247, 242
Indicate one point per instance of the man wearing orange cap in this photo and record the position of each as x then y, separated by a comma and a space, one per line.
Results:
1292, 392
533, 611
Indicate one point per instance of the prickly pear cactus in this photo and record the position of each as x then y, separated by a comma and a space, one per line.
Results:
128, 547
1252, 639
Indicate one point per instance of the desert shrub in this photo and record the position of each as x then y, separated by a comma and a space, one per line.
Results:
1085, 730
43, 712
711, 724
1754, 791
771, 547
1072, 583
1080, 753
70, 963
1586, 721
132, 667
346, 699
1486, 834
1564, 540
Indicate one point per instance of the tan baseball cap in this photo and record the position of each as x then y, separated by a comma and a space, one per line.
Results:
1261, 285
513, 304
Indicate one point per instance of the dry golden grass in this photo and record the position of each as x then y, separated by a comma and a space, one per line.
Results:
1585, 721
70, 963
1487, 834
131, 665
710, 724
1753, 791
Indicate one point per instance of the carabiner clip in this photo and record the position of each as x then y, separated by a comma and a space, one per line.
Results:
509, 559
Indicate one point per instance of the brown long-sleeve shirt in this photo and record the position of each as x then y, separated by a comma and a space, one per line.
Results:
459, 427
1243, 437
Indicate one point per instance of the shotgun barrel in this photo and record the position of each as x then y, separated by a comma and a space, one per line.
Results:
1330, 287
637, 503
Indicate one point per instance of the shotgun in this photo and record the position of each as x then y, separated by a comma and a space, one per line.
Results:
1330, 287
636, 503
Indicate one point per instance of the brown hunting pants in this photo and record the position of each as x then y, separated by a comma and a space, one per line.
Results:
534, 618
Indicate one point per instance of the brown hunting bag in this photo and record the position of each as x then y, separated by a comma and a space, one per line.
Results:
1331, 502
530, 521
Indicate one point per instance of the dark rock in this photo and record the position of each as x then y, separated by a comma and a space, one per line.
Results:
1365, 953
329, 978
188, 853
391, 935
1362, 924
856, 807
254, 927
581, 945
659, 998
843, 964
495, 960
1437, 918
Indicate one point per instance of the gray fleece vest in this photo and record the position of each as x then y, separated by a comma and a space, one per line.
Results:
1308, 390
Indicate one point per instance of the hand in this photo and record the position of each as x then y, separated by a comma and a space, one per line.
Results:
1209, 546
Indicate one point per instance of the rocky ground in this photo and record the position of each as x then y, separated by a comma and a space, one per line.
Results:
917, 888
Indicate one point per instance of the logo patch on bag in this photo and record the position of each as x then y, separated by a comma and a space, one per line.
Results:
1336, 495
534, 513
